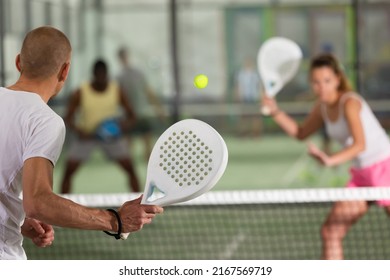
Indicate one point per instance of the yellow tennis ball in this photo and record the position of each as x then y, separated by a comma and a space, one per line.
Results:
201, 81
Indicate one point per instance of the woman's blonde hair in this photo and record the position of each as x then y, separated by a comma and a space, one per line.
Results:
330, 61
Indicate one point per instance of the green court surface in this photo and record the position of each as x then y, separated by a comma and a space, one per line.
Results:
269, 162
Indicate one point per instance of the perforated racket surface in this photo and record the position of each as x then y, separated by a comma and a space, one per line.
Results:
278, 61
187, 160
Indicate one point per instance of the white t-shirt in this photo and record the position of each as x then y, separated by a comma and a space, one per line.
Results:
28, 128
376, 139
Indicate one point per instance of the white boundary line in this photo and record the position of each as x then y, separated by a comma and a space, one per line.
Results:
292, 172
232, 246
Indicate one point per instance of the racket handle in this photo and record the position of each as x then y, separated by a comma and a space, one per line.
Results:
124, 235
265, 111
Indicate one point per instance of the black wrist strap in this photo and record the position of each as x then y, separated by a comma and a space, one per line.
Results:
118, 234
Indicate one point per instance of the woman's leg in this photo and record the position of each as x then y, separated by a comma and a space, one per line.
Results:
342, 216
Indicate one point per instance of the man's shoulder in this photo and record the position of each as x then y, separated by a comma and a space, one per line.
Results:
49, 114
40, 114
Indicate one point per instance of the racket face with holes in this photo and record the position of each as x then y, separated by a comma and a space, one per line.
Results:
187, 160
278, 61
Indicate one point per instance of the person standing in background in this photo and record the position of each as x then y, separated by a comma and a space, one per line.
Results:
247, 92
141, 96
98, 101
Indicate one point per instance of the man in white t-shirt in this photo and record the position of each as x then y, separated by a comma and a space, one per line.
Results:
31, 140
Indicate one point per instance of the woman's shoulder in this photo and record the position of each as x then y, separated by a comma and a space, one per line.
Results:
349, 96
353, 93
351, 101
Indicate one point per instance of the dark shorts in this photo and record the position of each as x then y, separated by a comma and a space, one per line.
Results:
81, 150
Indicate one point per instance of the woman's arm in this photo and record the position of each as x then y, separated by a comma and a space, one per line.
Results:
311, 124
352, 108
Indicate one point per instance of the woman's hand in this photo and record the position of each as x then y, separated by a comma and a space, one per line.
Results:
270, 104
319, 155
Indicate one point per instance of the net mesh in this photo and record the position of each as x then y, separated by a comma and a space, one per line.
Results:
273, 225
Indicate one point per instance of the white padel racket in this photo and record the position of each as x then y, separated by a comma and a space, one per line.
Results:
278, 60
187, 160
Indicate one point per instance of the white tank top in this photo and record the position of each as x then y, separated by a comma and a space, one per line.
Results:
376, 140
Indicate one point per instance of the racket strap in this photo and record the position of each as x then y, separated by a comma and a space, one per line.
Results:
118, 234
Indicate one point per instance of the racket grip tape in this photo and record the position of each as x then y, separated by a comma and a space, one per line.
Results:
117, 235
124, 236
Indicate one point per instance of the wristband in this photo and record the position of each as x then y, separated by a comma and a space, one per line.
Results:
118, 234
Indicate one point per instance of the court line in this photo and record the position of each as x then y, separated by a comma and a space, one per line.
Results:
232, 247
298, 165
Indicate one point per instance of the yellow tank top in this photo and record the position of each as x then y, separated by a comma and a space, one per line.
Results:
96, 107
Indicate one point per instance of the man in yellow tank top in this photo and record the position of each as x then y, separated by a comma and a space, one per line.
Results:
95, 102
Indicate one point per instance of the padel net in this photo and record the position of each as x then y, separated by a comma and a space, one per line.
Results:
231, 225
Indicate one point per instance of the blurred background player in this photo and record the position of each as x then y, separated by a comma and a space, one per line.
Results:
247, 92
141, 96
98, 101
349, 121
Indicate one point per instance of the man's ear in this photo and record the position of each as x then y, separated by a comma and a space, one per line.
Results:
18, 64
64, 71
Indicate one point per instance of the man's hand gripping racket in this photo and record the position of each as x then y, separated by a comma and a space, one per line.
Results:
187, 160
278, 60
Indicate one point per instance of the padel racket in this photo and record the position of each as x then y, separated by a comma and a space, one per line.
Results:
108, 130
187, 160
278, 60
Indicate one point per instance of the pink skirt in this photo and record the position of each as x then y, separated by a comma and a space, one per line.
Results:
376, 175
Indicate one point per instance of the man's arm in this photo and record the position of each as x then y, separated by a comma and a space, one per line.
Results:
41, 203
74, 103
155, 102
69, 118
129, 111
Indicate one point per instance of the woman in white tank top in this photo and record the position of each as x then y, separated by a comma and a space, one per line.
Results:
349, 121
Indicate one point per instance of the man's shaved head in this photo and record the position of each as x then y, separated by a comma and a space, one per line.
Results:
44, 51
